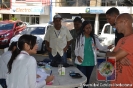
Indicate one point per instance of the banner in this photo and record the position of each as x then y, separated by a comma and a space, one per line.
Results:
106, 69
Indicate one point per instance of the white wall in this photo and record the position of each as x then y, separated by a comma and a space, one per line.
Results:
44, 18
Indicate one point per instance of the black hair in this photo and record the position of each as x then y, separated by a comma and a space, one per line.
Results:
82, 31
12, 46
77, 19
29, 39
112, 11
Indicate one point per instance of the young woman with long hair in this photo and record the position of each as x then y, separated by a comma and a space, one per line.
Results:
22, 67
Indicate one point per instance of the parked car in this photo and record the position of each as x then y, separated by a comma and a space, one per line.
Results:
8, 29
107, 35
36, 30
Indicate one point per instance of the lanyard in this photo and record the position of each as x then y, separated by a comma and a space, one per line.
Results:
57, 34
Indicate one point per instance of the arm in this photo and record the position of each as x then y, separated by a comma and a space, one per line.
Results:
118, 54
47, 46
68, 38
68, 44
99, 46
47, 39
32, 75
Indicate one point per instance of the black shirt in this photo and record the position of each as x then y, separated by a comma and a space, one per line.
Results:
118, 36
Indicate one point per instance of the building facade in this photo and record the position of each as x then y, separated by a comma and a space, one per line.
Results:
92, 10
5, 6
31, 11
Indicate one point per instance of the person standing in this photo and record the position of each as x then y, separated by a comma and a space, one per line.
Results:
85, 49
57, 40
123, 50
74, 32
111, 15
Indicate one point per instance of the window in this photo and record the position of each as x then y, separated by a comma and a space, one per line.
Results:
31, 19
113, 30
34, 30
6, 26
5, 4
35, 20
107, 29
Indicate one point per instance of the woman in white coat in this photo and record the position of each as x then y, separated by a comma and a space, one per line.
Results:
85, 49
4, 59
22, 67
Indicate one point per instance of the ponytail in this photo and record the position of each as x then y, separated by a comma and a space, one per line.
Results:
13, 57
29, 39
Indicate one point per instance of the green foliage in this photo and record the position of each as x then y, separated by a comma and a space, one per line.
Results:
13, 18
1, 19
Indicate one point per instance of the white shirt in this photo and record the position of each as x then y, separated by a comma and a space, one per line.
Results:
57, 39
23, 73
4, 59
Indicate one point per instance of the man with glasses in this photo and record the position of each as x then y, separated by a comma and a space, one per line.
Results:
123, 50
111, 15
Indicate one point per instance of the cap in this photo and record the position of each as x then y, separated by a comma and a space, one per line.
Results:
57, 16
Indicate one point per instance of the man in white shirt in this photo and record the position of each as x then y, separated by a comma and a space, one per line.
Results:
57, 40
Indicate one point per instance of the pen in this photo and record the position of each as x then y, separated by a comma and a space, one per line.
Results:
51, 72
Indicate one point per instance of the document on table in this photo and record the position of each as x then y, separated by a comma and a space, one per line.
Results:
43, 75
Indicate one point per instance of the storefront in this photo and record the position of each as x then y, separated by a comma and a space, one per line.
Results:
31, 14
5, 14
95, 14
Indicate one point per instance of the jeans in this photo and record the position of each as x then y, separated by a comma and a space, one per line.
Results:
3, 83
86, 70
61, 59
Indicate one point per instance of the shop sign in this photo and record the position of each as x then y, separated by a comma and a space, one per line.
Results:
27, 10
94, 10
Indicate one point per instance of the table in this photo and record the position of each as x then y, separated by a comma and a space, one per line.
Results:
66, 81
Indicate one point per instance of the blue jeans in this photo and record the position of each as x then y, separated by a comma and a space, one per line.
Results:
86, 70
3, 83
62, 59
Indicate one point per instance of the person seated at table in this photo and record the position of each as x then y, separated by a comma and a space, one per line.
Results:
22, 67
4, 59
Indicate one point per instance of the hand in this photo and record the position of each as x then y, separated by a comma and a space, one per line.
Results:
49, 78
125, 62
49, 49
65, 49
110, 46
38, 76
79, 59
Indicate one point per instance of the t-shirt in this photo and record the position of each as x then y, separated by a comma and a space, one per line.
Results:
118, 36
124, 74
88, 53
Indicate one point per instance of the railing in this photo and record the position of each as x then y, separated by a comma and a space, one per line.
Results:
5, 5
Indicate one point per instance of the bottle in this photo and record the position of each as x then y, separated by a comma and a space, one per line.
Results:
63, 71
60, 69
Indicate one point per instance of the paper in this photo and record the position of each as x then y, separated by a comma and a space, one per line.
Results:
42, 73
